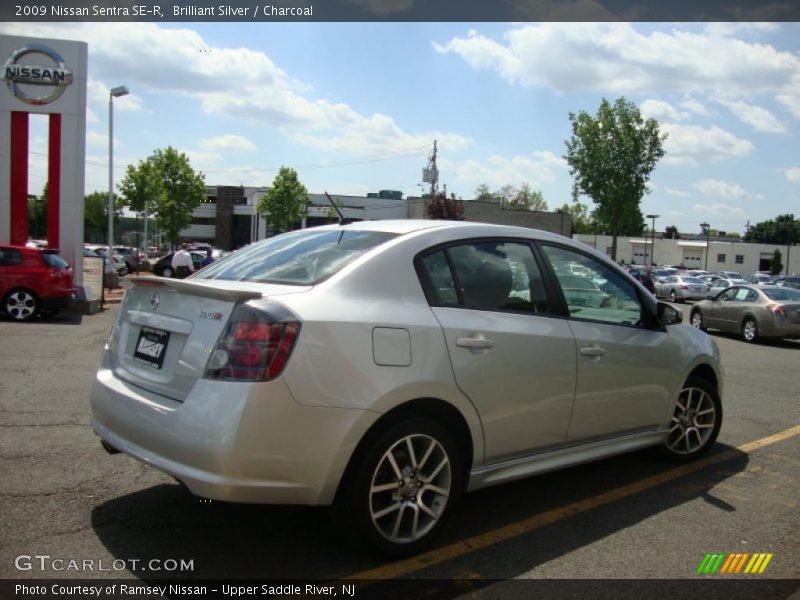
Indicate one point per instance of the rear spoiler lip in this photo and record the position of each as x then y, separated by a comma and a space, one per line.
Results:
194, 288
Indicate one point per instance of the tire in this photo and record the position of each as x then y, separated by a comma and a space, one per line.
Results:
695, 422
672, 296
167, 272
20, 304
750, 330
696, 320
397, 500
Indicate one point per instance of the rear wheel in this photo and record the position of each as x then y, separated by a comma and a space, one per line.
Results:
697, 320
21, 305
672, 296
695, 422
403, 487
749, 330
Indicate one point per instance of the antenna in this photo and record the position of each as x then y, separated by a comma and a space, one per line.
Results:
342, 220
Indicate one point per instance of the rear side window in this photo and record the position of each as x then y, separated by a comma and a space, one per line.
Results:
55, 261
10, 257
304, 257
486, 275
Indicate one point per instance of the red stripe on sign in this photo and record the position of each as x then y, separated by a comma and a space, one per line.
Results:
54, 183
19, 178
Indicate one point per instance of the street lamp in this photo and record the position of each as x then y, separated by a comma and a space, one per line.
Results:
114, 93
705, 227
150, 160
653, 238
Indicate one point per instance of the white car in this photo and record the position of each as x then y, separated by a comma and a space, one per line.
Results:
385, 367
679, 288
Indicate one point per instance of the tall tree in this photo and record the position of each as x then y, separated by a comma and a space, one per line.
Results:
285, 202
142, 189
776, 264
484, 194
611, 157
181, 191
526, 198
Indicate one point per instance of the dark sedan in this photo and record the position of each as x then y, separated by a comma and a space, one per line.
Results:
163, 266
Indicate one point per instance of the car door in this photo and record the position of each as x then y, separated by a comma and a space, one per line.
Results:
511, 354
713, 311
624, 369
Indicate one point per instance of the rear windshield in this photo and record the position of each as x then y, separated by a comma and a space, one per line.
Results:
304, 257
54, 260
782, 294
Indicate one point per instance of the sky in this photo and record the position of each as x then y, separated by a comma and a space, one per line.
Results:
356, 107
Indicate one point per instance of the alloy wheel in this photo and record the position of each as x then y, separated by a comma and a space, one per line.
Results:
749, 331
694, 423
21, 305
410, 488
697, 320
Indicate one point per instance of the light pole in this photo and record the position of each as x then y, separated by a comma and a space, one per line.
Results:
114, 93
653, 238
150, 160
705, 227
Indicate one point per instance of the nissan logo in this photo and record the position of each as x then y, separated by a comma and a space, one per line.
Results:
24, 77
155, 301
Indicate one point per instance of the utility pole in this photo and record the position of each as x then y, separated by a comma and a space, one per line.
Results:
434, 173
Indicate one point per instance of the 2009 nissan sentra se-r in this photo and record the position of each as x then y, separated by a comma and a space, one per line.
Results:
386, 367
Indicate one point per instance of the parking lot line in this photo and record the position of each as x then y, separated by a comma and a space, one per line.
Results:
512, 530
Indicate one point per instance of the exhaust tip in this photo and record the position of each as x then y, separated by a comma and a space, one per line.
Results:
108, 447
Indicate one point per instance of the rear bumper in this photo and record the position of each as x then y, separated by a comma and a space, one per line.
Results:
60, 302
231, 441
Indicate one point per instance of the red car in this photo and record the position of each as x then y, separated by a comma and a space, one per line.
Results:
34, 280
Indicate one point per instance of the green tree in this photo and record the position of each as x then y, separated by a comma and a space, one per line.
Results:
776, 264
484, 194
141, 189
611, 157
672, 233
448, 209
181, 190
582, 220
526, 198
784, 230
37, 215
285, 202
95, 216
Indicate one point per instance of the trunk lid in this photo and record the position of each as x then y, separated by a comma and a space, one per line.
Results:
168, 328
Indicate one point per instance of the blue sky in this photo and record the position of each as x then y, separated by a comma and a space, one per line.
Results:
356, 107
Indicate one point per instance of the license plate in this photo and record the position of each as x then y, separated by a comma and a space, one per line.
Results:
151, 347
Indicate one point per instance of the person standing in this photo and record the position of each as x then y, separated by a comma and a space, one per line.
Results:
182, 265
209, 258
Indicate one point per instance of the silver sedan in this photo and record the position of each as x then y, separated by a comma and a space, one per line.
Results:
679, 288
385, 367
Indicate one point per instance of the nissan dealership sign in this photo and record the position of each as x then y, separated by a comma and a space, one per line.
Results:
36, 74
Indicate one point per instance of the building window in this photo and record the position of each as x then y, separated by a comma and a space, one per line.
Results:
740, 259
720, 258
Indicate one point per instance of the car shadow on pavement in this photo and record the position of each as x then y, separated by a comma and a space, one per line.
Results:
769, 343
236, 541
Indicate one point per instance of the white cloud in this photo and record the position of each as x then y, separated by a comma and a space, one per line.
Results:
675, 192
658, 109
100, 140
723, 189
228, 143
229, 82
496, 171
696, 107
757, 117
615, 58
792, 174
719, 209
691, 145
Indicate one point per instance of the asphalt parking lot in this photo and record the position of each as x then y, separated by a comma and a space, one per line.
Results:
627, 518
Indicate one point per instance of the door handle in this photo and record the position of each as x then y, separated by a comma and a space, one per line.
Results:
593, 351
478, 343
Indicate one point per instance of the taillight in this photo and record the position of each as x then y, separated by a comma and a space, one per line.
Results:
684, 286
777, 309
256, 343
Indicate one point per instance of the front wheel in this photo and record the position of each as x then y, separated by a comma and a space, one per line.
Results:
404, 486
672, 296
21, 305
696, 421
167, 272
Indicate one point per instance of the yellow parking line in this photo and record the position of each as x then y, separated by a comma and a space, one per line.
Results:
512, 530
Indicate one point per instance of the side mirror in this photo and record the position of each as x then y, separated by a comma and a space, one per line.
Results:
668, 315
